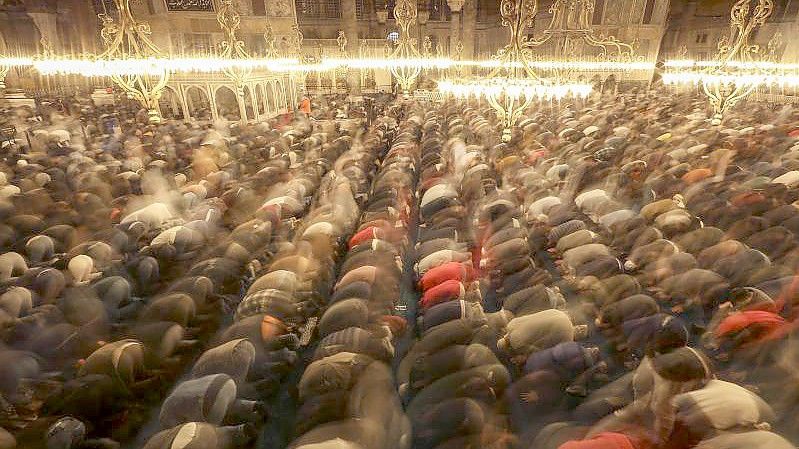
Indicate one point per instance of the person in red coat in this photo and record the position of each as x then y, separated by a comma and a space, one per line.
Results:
305, 105
455, 271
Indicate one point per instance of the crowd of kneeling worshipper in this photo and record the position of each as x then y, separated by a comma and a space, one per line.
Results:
619, 275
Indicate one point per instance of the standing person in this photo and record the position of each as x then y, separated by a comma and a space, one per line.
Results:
305, 105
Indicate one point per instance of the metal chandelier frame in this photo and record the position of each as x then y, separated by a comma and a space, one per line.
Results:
740, 66
232, 47
126, 38
513, 84
568, 30
405, 14
737, 47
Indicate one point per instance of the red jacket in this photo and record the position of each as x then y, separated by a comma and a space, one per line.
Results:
773, 326
305, 106
444, 292
381, 229
451, 271
605, 440
365, 235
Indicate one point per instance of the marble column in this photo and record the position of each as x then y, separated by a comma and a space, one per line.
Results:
184, 105
189, 103
241, 100
265, 99
469, 28
349, 21
455, 6
254, 102
212, 96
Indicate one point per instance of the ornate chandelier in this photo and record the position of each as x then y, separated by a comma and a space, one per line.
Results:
513, 85
740, 66
406, 74
126, 39
271, 42
232, 47
570, 45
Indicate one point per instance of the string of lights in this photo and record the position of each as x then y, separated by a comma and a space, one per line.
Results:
107, 67
512, 86
740, 67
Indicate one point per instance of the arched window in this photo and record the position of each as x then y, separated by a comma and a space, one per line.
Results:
318, 9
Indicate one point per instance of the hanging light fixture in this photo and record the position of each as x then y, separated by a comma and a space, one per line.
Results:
456, 57
271, 42
341, 72
513, 85
740, 66
341, 40
232, 47
127, 39
295, 42
569, 44
406, 74
427, 47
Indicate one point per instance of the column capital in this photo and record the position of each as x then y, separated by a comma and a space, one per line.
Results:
456, 5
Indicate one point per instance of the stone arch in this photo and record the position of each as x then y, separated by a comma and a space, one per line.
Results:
227, 105
170, 104
260, 99
198, 102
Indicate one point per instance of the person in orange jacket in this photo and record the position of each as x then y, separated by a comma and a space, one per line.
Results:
305, 105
